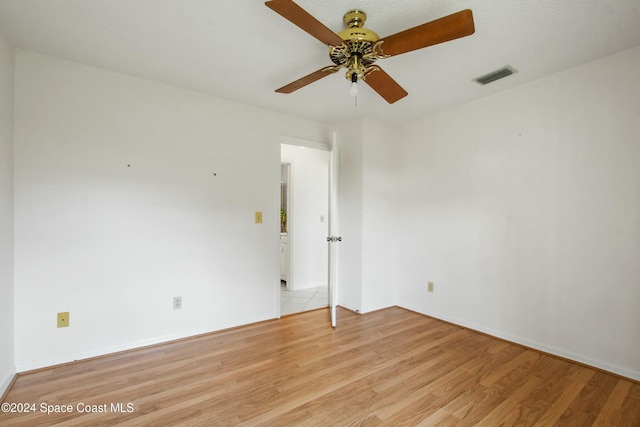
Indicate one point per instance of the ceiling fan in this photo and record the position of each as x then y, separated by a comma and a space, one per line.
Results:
358, 48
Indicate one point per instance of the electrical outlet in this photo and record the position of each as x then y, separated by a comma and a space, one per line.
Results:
63, 320
430, 287
177, 303
258, 217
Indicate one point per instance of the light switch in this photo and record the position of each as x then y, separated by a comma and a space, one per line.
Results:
258, 217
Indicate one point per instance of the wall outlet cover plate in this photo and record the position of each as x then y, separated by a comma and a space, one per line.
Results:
63, 319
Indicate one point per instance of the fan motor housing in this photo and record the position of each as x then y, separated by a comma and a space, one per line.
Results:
358, 41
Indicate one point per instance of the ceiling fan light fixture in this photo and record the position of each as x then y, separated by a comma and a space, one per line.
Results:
358, 48
353, 90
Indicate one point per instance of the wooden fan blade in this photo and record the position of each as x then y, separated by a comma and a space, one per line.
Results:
300, 17
308, 79
441, 30
386, 87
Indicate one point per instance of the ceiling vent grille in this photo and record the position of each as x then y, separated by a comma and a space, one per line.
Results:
495, 75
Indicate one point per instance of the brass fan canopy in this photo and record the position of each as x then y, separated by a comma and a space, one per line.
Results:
354, 20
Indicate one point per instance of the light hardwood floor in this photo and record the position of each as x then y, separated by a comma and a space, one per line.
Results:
392, 367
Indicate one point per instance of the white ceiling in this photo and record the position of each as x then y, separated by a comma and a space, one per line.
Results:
241, 50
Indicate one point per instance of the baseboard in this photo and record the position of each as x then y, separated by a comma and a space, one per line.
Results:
105, 351
6, 384
346, 307
22, 368
631, 374
32, 366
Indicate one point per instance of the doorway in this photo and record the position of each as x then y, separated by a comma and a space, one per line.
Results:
304, 210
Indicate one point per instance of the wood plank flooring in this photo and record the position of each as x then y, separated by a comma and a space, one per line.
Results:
388, 368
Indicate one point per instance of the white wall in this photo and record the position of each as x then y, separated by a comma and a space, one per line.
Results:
309, 201
118, 210
367, 184
524, 209
379, 186
7, 360
521, 207
350, 164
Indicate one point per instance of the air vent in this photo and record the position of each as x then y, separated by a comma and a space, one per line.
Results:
495, 75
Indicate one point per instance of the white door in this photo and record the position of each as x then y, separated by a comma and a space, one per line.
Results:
334, 239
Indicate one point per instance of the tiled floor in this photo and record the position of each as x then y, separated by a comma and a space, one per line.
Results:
302, 300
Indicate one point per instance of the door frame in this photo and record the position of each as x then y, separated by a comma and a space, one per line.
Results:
289, 216
318, 145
